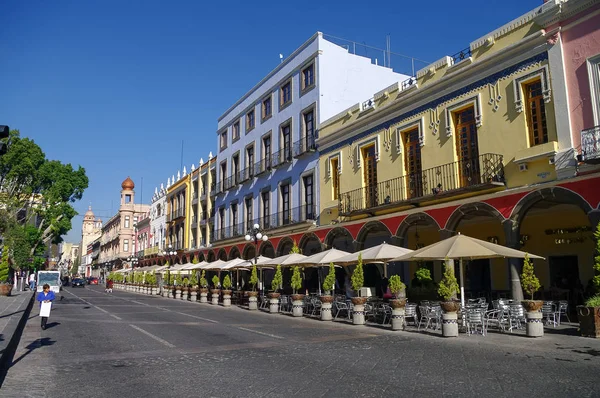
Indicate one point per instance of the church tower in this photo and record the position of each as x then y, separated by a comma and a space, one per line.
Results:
90, 230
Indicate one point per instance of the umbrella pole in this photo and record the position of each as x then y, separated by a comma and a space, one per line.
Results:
385, 270
462, 282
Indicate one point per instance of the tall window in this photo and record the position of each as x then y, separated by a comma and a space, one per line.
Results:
236, 167
224, 140
248, 209
286, 136
222, 218
309, 130
335, 178
285, 203
536, 113
285, 94
267, 108
223, 175
308, 197
267, 151
266, 208
127, 221
235, 131
250, 160
234, 214
126, 245
250, 120
308, 76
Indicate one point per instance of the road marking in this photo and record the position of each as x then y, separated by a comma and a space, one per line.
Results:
193, 316
152, 336
261, 333
95, 306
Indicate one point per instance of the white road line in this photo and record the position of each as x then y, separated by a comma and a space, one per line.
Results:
194, 316
95, 306
153, 336
261, 333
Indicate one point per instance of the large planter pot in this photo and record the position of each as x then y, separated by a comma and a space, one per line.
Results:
226, 298
154, 290
178, 293
185, 292
398, 312
274, 302
252, 300
589, 321
297, 304
534, 318
358, 314
326, 304
5, 289
450, 318
204, 295
193, 294
214, 296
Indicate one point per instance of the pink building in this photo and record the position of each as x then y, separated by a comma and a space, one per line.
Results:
143, 236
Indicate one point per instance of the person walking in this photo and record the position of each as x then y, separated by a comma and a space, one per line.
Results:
45, 296
32, 281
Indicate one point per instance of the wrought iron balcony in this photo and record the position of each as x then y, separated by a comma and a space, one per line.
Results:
282, 156
263, 165
590, 145
245, 174
203, 193
484, 172
461, 55
305, 145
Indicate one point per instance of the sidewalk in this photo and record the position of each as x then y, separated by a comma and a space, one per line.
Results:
13, 315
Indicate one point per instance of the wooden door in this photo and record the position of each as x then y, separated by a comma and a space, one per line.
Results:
370, 176
412, 162
468, 148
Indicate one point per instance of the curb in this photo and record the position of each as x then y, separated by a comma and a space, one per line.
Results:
7, 355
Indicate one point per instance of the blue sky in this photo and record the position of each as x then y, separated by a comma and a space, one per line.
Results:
116, 86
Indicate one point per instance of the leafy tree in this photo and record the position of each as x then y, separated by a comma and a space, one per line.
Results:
186, 281
296, 279
215, 281
358, 277
227, 282
253, 278
4, 265
195, 260
295, 249
448, 285
423, 275
277, 279
529, 281
396, 286
75, 266
194, 279
203, 281
329, 282
178, 279
151, 279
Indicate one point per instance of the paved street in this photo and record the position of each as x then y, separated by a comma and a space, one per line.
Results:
131, 345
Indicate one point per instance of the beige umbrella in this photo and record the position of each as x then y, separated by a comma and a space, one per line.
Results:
462, 247
382, 254
288, 259
195, 266
215, 265
249, 263
324, 257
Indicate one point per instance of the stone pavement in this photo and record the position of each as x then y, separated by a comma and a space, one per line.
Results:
126, 344
12, 310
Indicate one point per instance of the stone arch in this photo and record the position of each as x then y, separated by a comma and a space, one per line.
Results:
284, 246
222, 254
200, 257
249, 251
370, 228
470, 210
266, 249
234, 253
339, 238
310, 244
184, 259
211, 256
420, 218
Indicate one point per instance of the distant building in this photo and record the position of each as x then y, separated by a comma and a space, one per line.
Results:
90, 230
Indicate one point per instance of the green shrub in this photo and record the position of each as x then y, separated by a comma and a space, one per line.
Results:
4, 266
277, 279
529, 281
423, 275
178, 279
186, 281
215, 281
194, 279
203, 281
396, 286
448, 285
227, 282
151, 279
253, 278
593, 301
295, 249
296, 279
329, 282
358, 277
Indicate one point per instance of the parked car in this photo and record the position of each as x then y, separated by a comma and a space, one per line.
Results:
92, 280
78, 282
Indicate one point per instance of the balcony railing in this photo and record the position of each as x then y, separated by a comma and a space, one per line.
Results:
485, 171
194, 221
263, 165
213, 188
282, 156
305, 145
245, 174
203, 193
461, 55
590, 145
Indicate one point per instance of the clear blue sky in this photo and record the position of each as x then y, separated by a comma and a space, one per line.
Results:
115, 86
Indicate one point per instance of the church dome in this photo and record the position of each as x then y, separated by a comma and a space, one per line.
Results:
128, 184
89, 215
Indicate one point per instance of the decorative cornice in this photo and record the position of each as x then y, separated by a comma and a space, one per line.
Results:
555, 11
430, 69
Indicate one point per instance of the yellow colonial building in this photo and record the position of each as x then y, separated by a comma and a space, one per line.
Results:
471, 145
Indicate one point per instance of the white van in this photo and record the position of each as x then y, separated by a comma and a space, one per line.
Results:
52, 278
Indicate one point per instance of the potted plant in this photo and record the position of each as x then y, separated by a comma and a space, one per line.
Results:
274, 295
297, 299
5, 286
447, 290
589, 314
215, 291
151, 279
327, 297
358, 280
178, 285
531, 284
194, 286
399, 303
252, 301
185, 290
203, 288
227, 291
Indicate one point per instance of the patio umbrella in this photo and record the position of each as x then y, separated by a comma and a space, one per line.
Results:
462, 247
288, 259
195, 266
382, 253
324, 257
215, 265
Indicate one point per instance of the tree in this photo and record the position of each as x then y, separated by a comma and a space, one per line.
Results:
194, 279
203, 281
529, 281
358, 277
296, 279
295, 249
396, 286
253, 278
227, 282
75, 267
4, 265
215, 281
448, 285
277, 279
329, 282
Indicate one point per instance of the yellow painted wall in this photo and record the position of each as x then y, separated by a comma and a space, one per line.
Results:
186, 180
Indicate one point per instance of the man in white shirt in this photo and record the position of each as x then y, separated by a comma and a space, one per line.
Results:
32, 281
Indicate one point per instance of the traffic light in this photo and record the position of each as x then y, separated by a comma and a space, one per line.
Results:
4, 132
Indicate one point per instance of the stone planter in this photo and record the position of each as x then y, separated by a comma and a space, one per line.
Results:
326, 304
204, 295
252, 300
398, 312
166, 290
226, 298
589, 321
358, 314
5, 289
184, 293
274, 302
534, 318
214, 296
450, 318
153, 290
193, 294
178, 293
297, 304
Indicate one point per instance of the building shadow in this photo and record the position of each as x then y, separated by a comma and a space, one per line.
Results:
34, 345
12, 313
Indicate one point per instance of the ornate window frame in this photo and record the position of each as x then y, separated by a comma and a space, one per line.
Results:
370, 141
419, 123
338, 156
593, 66
542, 73
475, 101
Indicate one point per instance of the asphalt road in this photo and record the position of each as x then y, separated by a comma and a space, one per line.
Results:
130, 345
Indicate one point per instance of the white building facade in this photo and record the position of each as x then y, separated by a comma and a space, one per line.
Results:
158, 219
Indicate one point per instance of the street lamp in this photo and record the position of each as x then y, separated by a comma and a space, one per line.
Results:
255, 234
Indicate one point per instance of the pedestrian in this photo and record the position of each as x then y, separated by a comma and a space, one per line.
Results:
32, 281
109, 285
45, 296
